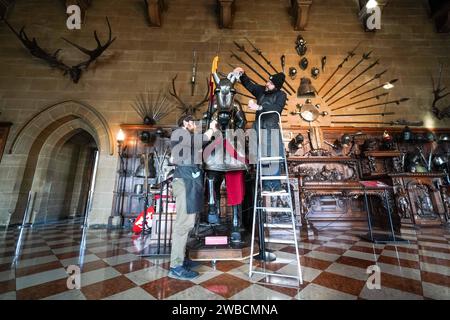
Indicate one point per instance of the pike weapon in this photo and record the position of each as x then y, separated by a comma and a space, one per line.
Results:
363, 114
373, 89
399, 122
350, 55
259, 53
377, 76
359, 75
365, 56
242, 49
384, 103
359, 101
194, 72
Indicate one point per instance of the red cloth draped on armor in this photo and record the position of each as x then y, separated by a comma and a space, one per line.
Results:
235, 187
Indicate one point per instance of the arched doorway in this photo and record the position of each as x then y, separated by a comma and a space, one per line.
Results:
44, 143
61, 187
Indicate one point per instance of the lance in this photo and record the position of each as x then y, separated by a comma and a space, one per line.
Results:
365, 56
194, 73
377, 76
399, 122
373, 89
359, 101
359, 75
248, 66
350, 55
259, 53
363, 114
384, 103
242, 49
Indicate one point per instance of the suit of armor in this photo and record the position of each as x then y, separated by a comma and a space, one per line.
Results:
226, 153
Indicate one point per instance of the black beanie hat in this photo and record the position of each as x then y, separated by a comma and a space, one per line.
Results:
278, 80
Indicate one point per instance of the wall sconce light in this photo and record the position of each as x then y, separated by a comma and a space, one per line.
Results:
370, 15
120, 138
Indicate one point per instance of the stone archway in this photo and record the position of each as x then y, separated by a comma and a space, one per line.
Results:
42, 183
36, 138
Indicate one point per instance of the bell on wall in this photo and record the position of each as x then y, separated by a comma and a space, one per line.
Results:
306, 89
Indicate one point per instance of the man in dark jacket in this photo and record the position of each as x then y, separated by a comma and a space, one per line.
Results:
268, 98
187, 189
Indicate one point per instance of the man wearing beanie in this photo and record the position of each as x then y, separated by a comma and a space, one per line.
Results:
268, 98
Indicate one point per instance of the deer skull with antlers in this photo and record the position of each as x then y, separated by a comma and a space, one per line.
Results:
439, 94
184, 107
53, 60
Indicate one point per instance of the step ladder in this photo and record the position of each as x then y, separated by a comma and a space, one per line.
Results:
260, 210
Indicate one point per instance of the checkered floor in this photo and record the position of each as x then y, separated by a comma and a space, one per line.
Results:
334, 264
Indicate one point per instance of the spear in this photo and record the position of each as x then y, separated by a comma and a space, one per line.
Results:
377, 76
373, 89
242, 49
365, 56
359, 75
399, 122
363, 114
233, 55
383, 103
350, 55
359, 101
259, 53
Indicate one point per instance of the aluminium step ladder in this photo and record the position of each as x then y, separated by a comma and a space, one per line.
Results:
261, 210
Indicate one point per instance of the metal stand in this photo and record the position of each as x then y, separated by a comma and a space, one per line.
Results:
380, 237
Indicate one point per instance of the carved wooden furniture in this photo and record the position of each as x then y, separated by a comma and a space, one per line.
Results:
422, 191
330, 192
375, 164
4, 130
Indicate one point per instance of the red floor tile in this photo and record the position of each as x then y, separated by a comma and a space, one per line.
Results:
314, 263
21, 272
355, 262
43, 290
107, 288
435, 278
166, 287
7, 286
400, 283
225, 285
133, 266
339, 283
399, 262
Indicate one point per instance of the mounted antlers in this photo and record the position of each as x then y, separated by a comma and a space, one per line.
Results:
437, 90
53, 60
188, 108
